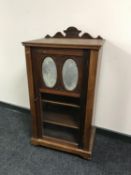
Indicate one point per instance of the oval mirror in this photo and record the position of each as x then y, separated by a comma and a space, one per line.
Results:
70, 74
49, 72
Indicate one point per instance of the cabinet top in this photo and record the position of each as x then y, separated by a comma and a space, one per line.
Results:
71, 39
65, 43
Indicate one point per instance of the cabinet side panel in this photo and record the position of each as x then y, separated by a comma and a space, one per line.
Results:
31, 91
90, 98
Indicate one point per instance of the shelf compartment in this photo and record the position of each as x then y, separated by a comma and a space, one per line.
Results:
61, 133
61, 103
61, 119
61, 100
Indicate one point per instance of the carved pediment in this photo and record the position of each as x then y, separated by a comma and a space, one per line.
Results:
73, 32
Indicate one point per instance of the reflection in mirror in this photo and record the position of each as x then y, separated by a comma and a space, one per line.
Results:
49, 72
70, 74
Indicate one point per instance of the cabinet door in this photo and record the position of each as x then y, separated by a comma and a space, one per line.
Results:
62, 72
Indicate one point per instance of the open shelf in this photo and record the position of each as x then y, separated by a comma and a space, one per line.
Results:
60, 100
60, 115
60, 119
62, 133
61, 103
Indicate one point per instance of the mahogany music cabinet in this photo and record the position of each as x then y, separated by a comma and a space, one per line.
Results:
61, 77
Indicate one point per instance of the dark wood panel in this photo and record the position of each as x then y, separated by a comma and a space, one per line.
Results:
62, 93
58, 51
37, 60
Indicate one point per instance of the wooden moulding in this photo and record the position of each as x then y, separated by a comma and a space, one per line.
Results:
73, 39
73, 32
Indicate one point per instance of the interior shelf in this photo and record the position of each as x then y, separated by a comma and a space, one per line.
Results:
61, 103
60, 100
59, 132
61, 119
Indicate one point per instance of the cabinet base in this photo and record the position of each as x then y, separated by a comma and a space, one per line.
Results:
67, 146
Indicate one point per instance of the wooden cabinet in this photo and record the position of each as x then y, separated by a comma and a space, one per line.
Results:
61, 76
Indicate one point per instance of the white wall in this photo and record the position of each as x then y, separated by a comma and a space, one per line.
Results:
30, 19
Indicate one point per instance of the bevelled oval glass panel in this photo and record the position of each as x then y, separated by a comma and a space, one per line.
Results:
70, 74
49, 72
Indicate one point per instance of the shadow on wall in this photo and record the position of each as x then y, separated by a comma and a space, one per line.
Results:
113, 89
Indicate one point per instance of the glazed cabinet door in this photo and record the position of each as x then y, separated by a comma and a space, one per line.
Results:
60, 80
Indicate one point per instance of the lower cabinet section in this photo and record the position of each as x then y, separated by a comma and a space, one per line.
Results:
61, 117
62, 145
62, 125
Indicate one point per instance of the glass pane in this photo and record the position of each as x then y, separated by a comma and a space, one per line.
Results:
49, 72
70, 74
